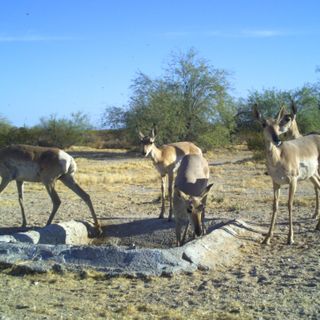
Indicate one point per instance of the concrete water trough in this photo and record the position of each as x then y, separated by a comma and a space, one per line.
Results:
68, 246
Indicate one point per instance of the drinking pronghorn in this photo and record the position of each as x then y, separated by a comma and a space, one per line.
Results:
166, 159
288, 162
288, 124
39, 164
190, 195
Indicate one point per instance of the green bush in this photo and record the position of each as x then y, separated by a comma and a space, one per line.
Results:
191, 96
5, 128
217, 136
63, 133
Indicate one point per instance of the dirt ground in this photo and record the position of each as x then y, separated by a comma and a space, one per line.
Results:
268, 282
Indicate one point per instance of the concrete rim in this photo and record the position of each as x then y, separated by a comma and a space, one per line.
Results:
219, 247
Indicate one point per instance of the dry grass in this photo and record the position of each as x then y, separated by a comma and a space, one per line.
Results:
102, 173
123, 187
105, 177
94, 150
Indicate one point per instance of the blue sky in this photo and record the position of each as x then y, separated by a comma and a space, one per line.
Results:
59, 57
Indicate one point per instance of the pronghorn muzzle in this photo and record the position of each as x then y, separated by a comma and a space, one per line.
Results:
197, 223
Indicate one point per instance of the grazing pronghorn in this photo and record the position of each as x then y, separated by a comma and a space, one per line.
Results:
190, 195
287, 163
38, 164
166, 160
288, 124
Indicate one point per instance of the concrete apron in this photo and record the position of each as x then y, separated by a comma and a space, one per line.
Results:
64, 247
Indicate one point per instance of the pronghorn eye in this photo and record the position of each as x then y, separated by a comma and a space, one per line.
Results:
189, 209
287, 118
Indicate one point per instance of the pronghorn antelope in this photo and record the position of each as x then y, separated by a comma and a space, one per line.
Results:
287, 163
38, 164
288, 124
190, 195
166, 160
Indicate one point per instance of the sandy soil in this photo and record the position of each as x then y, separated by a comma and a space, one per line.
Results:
268, 282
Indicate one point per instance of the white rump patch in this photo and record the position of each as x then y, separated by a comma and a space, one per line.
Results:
65, 161
307, 168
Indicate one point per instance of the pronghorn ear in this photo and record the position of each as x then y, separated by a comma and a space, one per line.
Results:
256, 113
293, 108
153, 133
280, 114
181, 194
205, 192
141, 135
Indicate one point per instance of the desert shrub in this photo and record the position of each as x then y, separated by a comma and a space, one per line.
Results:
63, 132
189, 98
255, 143
309, 120
5, 128
110, 139
23, 135
216, 136
307, 100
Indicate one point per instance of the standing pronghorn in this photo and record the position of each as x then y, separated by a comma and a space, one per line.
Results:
288, 162
190, 195
288, 124
166, 160
38, 164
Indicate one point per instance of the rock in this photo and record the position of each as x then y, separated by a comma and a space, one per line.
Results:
71, 232
50, 249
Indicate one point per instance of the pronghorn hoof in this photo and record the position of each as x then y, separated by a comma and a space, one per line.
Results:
98, 228
290, 242
266, 241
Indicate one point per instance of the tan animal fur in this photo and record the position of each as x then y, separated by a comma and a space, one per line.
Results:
288, 162
190, 195
39, 164
166, 159
288, 124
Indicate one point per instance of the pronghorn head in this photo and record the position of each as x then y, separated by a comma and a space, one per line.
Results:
288, 120
147, 142
271, 127
194, 207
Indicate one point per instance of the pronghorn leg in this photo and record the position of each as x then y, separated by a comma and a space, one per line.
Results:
204, 229
4, 182
184, 234
178, 233
55, 200
276, 195
315, 180
317, 212
170, 193
292, 191
69, 182
203, 214
20, 195
163, 196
